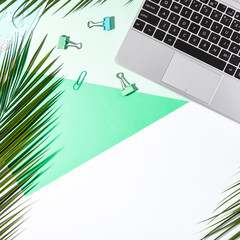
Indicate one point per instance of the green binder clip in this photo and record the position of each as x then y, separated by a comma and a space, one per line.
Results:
127, 88
108, 24
64, 42
80, 80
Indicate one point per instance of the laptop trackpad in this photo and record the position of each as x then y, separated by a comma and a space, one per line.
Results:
192, 78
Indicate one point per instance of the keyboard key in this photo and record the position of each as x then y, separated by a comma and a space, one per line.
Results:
173, 18
230, 12
194, 40
230, 69
199, 54
184, 35
159, 34
206, 22
214, 38
237, 74
235, 37
204, 1
166, 3
174, 30
164, 25
234, 48
204, 45
216, 27
151, 7
176, 7
169, 40
196, 17
194, 28
215, 50
225, 55
186, 12
226, 32
149, 18
206, 10
235, 60
184, 23
213, 3
222, 7
139, 25
185, 2
196, 5
204, 33
235, 25
149, 30
226, 20
216, 15
237, 15
224, 43
163, 13
156, 1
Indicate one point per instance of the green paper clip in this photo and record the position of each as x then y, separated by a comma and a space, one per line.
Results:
64, 42
127, 88
108, 24
80, 80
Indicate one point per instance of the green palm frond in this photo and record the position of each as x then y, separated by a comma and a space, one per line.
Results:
225, 223
33, 5
26, 118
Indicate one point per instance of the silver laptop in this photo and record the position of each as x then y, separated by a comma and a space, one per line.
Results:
191, 47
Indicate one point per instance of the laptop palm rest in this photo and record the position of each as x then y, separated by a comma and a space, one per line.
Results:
200, 83
144, 56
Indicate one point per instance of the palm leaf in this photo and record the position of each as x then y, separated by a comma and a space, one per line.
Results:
26, 118
226, 220
33, 5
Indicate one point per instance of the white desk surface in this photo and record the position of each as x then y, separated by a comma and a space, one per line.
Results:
157, 184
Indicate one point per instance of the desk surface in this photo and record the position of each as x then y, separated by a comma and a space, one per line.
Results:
156, 184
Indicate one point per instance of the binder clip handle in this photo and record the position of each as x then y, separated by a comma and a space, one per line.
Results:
92, 24
73, 44
123, 80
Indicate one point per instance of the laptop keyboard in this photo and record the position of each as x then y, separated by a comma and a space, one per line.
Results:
204, 29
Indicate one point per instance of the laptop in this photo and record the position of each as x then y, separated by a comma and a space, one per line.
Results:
191, 47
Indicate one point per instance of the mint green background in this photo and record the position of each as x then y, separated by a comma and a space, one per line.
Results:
95, 118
